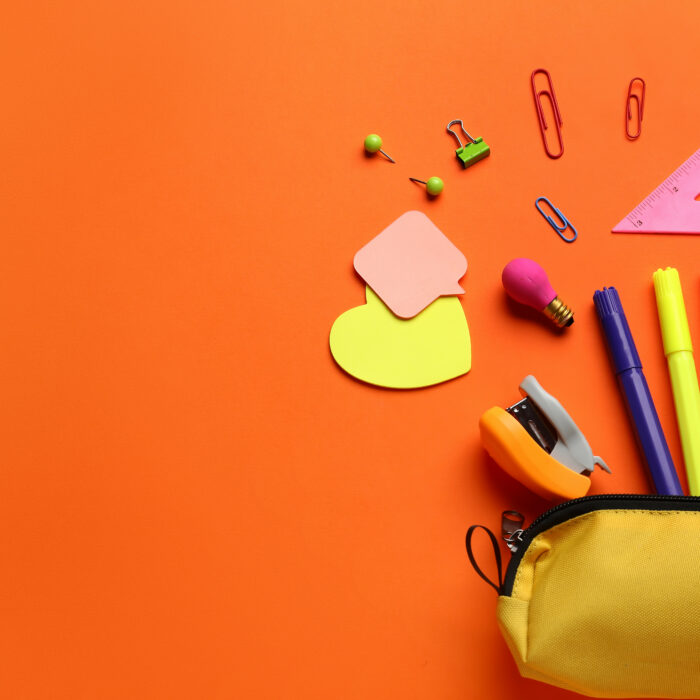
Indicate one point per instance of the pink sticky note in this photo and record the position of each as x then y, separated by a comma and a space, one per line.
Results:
410, 264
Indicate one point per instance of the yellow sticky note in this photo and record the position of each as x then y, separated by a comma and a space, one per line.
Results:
372, 344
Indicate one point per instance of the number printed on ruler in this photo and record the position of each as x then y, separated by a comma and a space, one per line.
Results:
672, 207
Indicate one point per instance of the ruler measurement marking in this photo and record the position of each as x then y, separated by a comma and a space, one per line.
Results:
667, 189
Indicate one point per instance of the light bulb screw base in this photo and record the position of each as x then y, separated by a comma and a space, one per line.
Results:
558, 312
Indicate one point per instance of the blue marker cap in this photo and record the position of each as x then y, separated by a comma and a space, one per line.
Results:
623, 351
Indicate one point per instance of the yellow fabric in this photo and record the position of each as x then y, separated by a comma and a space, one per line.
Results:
608, 604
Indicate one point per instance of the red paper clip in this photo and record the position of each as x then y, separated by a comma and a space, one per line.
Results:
639, 99
540, 113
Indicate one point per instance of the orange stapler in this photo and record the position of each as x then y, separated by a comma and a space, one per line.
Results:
537, 443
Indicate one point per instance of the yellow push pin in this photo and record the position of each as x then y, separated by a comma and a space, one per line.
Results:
433, 185
373, 143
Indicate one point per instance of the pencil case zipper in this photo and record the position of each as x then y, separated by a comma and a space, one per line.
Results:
580, 506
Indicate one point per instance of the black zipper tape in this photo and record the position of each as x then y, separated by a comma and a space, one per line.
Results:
580, 506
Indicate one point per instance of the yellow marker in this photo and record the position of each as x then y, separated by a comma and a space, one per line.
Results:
678, 349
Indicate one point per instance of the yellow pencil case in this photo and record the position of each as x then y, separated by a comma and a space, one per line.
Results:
602, 596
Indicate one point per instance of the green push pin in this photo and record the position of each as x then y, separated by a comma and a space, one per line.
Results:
373, 143
434, 185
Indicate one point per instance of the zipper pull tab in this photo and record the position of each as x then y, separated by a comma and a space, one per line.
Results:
512, 528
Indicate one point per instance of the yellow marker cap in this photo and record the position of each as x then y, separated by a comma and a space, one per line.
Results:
672, 316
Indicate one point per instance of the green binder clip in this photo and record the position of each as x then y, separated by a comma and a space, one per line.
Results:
472, 152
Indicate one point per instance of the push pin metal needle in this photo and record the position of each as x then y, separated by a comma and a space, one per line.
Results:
373, 143
434, 185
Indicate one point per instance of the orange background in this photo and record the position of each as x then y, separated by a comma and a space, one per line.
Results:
195, 501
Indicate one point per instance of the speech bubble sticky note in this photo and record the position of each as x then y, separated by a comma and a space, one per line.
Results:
372, 344
410, 264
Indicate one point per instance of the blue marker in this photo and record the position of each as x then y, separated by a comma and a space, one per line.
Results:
634, 387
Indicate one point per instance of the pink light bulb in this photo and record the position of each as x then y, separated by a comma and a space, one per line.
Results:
526, 282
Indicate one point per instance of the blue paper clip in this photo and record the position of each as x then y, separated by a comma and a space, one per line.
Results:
565, 223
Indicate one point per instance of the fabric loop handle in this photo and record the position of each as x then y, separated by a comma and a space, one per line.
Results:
497, 552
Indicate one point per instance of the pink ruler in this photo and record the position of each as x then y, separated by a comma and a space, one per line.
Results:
673, 207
